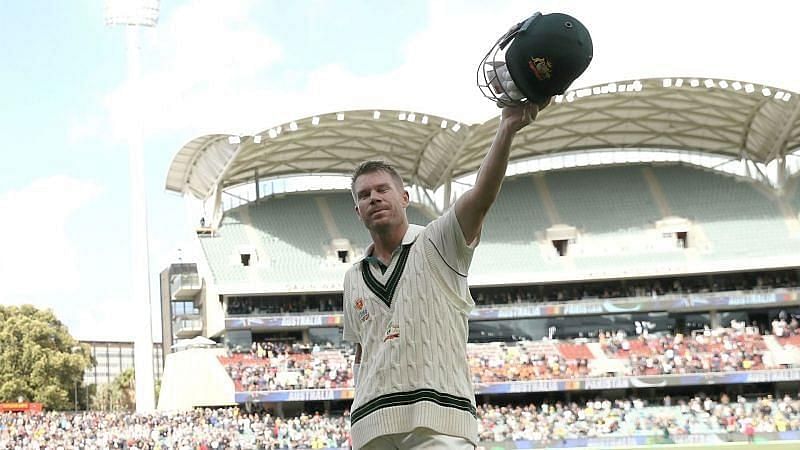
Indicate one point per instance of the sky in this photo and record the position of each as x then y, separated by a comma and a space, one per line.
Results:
243, 66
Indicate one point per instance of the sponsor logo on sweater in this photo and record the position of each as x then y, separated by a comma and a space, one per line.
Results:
363, 314
392, 332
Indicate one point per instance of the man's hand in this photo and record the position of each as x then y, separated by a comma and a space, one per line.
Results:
472, 206
515, 118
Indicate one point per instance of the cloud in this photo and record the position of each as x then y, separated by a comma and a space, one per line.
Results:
205, 51
102, 321
38, 260
216, 69
215, 73
84, 130
437, 74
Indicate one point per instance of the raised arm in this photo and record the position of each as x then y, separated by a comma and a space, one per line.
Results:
472, 206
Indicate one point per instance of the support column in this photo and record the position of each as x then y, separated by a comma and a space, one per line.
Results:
781, 173
140, 256
714, 318
447, 194
216, 214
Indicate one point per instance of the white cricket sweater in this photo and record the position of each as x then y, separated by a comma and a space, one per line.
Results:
412, 324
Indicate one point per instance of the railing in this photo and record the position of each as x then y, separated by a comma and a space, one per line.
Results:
191, 324
551, 385
244, 194
708, 301
190, 281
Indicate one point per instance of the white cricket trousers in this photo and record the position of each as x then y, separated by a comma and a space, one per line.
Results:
418, 439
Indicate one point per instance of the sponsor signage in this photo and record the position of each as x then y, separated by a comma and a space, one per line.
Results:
577, 384
671, 302
650, 381
20, 407
297, 395
286, 321
633, 441
636, 441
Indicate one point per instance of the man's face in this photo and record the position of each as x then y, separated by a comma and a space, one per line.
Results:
380, 202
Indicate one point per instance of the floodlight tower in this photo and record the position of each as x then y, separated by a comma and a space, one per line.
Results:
134, 14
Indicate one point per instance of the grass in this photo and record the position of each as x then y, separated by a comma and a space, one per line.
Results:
767, 445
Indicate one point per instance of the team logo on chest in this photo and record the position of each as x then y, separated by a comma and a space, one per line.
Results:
363, 314
392, 332
542, 68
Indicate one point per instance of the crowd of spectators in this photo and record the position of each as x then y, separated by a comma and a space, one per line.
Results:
559, 420
785, 325
277, 366
201, 429
273, 366
712, 350
232, 428
491, 363
284, 304
297, 304
635, 288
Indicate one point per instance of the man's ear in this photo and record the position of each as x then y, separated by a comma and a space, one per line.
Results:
355, 208
406, 199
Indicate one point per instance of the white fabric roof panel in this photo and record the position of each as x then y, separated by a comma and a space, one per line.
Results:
720, 117
199, 165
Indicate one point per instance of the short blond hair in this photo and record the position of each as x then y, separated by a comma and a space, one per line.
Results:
375, 166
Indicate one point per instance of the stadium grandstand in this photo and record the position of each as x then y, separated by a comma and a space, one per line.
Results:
637, 280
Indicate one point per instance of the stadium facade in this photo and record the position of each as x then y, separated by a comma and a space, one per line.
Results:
633, 211
111, 358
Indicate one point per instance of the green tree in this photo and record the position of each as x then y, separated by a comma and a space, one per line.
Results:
39, 360
119, 395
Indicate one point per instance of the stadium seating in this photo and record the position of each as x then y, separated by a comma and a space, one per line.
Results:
509, 237
517, 215
294, 220
613, 209
794, 195
348, 225
738, 220
575, 351
533, 425
614, 212
292, 235
272, 366
712, 351
220, 250
708, 196
607, 200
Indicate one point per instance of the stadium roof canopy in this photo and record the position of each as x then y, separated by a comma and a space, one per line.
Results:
734, 119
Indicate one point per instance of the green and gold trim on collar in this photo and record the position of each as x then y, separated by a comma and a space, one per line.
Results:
409, 398
385, 292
